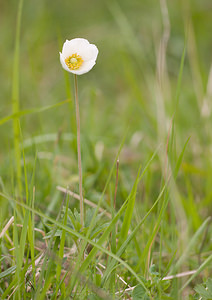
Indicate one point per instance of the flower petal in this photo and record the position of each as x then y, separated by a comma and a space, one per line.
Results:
89, 52
86, 67
62, 60
72, 46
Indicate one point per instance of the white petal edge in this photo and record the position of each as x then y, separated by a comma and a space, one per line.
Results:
72, 46
86, 67
62, 61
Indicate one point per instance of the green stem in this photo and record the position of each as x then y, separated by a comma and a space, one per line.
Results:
79, 151
15, 99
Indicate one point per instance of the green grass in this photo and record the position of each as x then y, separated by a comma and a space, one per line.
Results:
147, 102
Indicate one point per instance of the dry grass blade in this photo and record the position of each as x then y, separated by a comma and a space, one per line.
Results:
6, 226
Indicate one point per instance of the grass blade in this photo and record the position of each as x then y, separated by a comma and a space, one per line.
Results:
15, 98
191, 244
130, 237
129, 212
179, 161
21, 113
199, 270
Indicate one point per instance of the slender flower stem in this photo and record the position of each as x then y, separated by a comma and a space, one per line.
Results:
79, 151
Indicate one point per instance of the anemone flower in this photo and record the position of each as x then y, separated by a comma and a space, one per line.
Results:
78, 56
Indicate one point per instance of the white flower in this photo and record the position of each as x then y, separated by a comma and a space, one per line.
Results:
78, 56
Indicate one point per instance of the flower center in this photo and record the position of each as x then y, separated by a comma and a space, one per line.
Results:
74, 62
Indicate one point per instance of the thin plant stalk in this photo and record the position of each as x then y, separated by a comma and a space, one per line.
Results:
79, 151
16, 100
117, 179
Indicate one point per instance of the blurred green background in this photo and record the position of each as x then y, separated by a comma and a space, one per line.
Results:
119, 94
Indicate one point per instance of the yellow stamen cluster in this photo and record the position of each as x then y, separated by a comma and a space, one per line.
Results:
74, 62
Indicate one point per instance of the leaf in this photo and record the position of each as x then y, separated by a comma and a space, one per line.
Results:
89, 216
129, 212
97, 230
205, 291
193, 241
71, 219
180, 75
180, 158
200, 269
209, 286
200, 289
152, 270
165, 284
7, 272
56, 234
74, 219
111, 264
31, 111
139, 293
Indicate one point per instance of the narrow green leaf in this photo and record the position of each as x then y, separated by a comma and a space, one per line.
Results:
62, 243
18, 261
123, 247
154, 232
31, 233
180, 75
7, 272
199, 270
15, 99
31, 111
191, 244
180, 158
27, 214
129, 212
